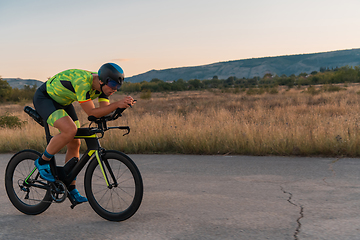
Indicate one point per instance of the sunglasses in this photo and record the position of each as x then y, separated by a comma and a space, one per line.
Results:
113, 84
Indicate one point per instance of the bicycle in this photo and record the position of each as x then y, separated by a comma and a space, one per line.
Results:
112, 181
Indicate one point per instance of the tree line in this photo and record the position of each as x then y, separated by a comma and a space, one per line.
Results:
325, 75
9, 94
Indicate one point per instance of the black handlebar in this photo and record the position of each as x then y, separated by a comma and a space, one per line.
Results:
110, 117
102, 121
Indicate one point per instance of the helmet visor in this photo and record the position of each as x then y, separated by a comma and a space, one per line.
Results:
113, 84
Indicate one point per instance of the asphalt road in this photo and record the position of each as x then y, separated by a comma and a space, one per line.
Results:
213, 197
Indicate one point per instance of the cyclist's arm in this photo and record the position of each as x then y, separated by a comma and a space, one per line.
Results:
104, 104
105, 107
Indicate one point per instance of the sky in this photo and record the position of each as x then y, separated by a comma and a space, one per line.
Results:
39, 38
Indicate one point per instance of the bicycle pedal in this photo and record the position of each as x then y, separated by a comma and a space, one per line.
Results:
73, 202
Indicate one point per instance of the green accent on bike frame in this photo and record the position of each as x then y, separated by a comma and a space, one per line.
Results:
102, 170
30, 175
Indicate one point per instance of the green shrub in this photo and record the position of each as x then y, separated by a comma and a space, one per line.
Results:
238, 90
312, 90
273, 90
145, 94
8, 121
255, 91
332, 88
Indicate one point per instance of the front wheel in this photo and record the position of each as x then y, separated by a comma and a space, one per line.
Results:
20, 183
121, 197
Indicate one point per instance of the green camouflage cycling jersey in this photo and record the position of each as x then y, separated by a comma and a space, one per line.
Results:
73, 85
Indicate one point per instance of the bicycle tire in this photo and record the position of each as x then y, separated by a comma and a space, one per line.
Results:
18, 168
119, 202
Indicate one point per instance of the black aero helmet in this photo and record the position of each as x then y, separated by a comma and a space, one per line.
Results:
111, 72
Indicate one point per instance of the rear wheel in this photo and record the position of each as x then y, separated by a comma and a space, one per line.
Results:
122, 198
25, 197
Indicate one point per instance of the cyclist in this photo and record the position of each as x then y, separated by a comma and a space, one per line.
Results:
53, 101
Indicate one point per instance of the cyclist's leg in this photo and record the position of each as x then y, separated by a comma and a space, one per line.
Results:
65, 120
73, 148
45, 106
56, 116
67, 129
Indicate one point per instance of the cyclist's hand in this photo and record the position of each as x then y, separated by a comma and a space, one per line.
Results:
126, 102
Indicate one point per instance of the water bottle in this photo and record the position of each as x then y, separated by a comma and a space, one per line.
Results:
70, 165
32, 113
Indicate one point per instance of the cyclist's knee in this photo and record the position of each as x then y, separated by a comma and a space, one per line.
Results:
66, 127
70, 133
69, 130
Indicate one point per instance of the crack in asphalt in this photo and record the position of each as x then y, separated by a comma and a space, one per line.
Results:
297, 230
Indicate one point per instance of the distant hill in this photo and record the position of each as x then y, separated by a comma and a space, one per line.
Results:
20, 83
249, 68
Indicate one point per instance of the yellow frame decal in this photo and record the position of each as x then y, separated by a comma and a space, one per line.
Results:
91, 136
91, 152
101, 167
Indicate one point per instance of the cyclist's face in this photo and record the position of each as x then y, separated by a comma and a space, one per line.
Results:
108, 90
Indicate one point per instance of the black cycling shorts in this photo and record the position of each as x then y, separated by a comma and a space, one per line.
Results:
50, 110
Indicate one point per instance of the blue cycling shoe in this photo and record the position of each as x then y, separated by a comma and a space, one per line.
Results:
77, 197
45, 172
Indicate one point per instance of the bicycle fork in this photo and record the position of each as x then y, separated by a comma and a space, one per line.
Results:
104, 163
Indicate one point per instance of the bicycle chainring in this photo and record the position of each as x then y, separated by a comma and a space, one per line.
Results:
58, 191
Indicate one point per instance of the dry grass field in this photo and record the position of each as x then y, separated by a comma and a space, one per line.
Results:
290, 122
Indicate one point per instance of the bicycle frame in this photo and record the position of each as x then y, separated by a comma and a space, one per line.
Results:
110, 176
93, 150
